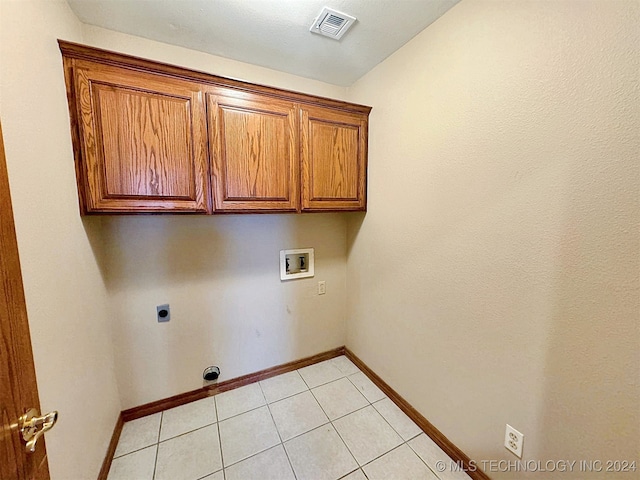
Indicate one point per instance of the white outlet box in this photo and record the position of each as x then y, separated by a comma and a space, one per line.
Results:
322, 287
513, 441
296, 263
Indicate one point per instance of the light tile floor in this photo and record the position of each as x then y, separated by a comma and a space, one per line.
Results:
327, 421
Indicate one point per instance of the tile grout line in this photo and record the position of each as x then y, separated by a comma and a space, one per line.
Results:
345, 444
256, 453
209, 474
423, 461
329, 422
179, 435
360, 467
266, 404
155, 462
350, 473
389, 423
362, 393
281, 441
289, 460
318, 402
286, 396
404, 442
334, 427
346, 414
344, 375
250, 456
215, 406
136, 450
321, 408
325, 383
278, 431
380, 456
302, 377
274, 426
247, 411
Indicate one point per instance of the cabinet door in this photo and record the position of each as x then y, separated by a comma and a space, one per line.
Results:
253, 143
143, 140
334, 159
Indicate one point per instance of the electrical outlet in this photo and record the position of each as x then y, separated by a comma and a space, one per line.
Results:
322, 287
163, 313
513, 440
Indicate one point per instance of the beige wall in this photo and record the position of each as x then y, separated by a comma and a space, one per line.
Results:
494, 278
67, 301
228, 306
219, 274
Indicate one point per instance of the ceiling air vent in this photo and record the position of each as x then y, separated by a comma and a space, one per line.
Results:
331, 23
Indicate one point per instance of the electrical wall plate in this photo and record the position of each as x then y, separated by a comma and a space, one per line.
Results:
296, 263
163, 313
513, 441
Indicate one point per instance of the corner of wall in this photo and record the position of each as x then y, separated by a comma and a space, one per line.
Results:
65, 293
499, 254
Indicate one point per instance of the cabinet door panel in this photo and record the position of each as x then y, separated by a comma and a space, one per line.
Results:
143, 140
333, 160
254, 157
336, 179
146, 143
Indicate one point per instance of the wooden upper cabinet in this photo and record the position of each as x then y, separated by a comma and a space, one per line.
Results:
152, 138
334, 159
253, 149
143, 141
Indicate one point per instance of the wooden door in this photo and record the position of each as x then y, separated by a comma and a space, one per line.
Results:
334, 159
143, 141
253, 141
18, 389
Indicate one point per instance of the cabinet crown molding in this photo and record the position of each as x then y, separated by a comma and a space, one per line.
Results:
83, 52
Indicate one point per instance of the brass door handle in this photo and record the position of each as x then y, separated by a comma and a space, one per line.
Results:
33, 426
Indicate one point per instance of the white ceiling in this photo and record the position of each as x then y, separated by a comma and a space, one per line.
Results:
272, 33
